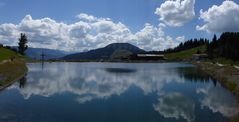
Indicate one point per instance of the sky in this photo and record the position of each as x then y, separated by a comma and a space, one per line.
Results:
79, 25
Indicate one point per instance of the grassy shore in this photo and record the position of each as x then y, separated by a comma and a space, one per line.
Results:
227, 75
10, 69
223, 70
6, 54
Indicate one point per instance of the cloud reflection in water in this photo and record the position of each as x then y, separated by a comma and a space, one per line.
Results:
91, 81
176, 105
219, 100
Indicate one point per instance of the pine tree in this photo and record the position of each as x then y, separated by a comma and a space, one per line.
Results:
214, 39
22, 44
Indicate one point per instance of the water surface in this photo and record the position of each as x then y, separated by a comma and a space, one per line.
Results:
116, 92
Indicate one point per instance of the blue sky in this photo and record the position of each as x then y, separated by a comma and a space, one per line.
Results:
132, 13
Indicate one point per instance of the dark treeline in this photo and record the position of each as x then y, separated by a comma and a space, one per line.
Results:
226, 46
192, 43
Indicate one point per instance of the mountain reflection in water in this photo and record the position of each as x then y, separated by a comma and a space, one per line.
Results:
120, 70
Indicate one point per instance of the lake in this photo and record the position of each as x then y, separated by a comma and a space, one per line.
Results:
116, 92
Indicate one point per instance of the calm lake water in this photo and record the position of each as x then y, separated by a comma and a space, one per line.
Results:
116, 92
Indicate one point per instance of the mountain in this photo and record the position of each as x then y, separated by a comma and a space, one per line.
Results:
114, 50
36, 53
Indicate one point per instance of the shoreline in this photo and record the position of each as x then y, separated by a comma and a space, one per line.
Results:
227, 75
12, 82
131, 61
17, 67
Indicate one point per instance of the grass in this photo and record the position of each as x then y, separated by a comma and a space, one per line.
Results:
6, 54
186, 54
231, 85
226, 61
11, 70
227, 75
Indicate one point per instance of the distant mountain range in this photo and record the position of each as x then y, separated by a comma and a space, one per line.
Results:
36, 53
111, 51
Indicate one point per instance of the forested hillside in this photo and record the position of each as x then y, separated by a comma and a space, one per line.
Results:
227, 46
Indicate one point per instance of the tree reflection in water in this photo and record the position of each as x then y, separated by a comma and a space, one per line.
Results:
22, 81
193, 74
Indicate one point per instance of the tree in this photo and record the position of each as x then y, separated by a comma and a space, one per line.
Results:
212, 48
22, 82
226, 46
214, 39
22, 44
192, 43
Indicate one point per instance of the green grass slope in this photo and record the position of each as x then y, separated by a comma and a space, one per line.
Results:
10, 70
6, 54
186, 54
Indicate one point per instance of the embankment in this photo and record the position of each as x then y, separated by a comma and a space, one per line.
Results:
10, 71
227, 75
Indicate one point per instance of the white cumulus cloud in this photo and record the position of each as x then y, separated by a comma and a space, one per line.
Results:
89, 32
224, 17
176, 12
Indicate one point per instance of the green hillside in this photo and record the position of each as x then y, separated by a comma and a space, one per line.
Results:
10, 70
6, 54
186, 54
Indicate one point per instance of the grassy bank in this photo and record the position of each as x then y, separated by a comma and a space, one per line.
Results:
225, 61
185, 55
6, 54
227, 75
224, 70
10, 70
